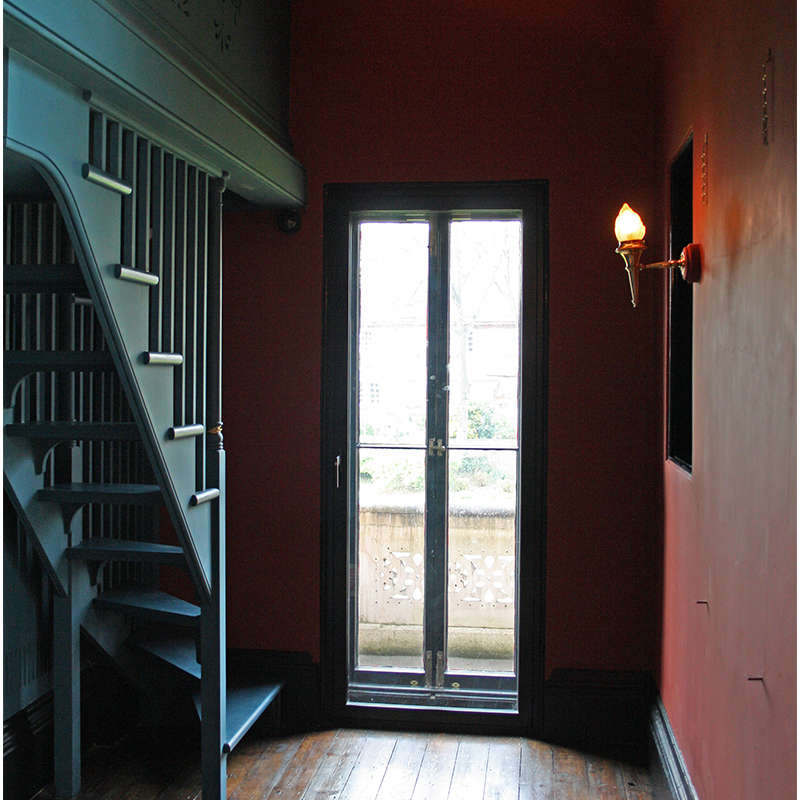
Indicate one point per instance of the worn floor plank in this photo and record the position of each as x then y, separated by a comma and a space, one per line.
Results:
606, 782
570, 777
336, 766
369, 769
261, 775
535, 771
299, 774
436, 772
401, 773
469, 773
503, 769
636, 781
362, 765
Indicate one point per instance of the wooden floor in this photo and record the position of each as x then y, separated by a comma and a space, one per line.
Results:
362, 765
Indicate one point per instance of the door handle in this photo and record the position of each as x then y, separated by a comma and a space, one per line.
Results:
338, 464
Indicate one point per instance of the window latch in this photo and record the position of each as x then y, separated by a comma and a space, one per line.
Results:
435, 449
439, 669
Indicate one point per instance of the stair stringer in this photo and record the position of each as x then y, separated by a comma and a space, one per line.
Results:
93, 216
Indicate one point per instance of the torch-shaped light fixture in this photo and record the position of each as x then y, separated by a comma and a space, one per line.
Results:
630, 231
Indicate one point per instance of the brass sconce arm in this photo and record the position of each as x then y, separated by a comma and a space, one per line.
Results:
689, 263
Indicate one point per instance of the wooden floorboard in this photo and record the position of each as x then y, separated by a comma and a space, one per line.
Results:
361, 765
370, 766
503, 769
436, 773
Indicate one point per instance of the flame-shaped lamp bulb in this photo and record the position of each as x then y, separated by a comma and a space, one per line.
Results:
629, 226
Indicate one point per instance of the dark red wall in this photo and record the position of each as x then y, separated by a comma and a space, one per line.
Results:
471, 90
731, 526
438, 90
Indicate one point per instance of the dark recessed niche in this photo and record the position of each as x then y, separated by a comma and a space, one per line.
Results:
679, 379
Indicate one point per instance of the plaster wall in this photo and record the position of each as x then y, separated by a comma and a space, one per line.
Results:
730, 540
446, 91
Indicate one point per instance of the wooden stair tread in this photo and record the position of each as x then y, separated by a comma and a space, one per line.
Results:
97, 549
128, 493
178, 652
154, 606
59, 360
124, 431
53, 278
245, 703
18, 364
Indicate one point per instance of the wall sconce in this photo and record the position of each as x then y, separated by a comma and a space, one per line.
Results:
630, 230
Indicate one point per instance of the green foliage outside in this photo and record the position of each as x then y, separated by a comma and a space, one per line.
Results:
471, 472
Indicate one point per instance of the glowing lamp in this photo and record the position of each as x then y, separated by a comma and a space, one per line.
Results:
630, 231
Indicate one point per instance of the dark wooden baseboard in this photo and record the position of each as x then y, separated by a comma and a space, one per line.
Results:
668, 773
108, 711
28, 749
300, 698
616, 714
605, 712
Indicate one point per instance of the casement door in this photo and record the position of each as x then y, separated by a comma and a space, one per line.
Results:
432, 531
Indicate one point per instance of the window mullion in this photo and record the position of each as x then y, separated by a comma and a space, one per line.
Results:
436, 470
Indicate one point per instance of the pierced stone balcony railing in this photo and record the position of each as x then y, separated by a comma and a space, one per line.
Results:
480, 589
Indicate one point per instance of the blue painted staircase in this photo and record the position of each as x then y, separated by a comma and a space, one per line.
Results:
112, 409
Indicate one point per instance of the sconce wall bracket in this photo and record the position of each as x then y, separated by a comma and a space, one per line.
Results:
690, 263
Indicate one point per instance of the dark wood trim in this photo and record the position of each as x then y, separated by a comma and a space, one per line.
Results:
668, 774
300, 697
108, 712
680, 314
28, 749
605, 712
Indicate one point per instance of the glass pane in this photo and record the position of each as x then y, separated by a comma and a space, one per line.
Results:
485, 257
392, 336
391, 575
482, 548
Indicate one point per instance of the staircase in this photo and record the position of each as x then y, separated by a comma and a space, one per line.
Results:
112, 408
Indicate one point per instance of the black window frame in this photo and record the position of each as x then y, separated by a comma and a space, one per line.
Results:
341, 202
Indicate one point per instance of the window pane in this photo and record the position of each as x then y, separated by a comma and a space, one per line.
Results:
391, 577
481, 559
485, 260
392, 340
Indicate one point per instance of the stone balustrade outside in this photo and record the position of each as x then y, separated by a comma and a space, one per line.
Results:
480, 591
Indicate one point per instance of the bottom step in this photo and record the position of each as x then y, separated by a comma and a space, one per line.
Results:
245, 704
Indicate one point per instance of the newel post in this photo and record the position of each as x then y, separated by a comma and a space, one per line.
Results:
213, 627
214, 383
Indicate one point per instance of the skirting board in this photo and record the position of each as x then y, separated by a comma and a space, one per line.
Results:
300, 705
107, 707
668, 773
603, 711
109, 711
28, 749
